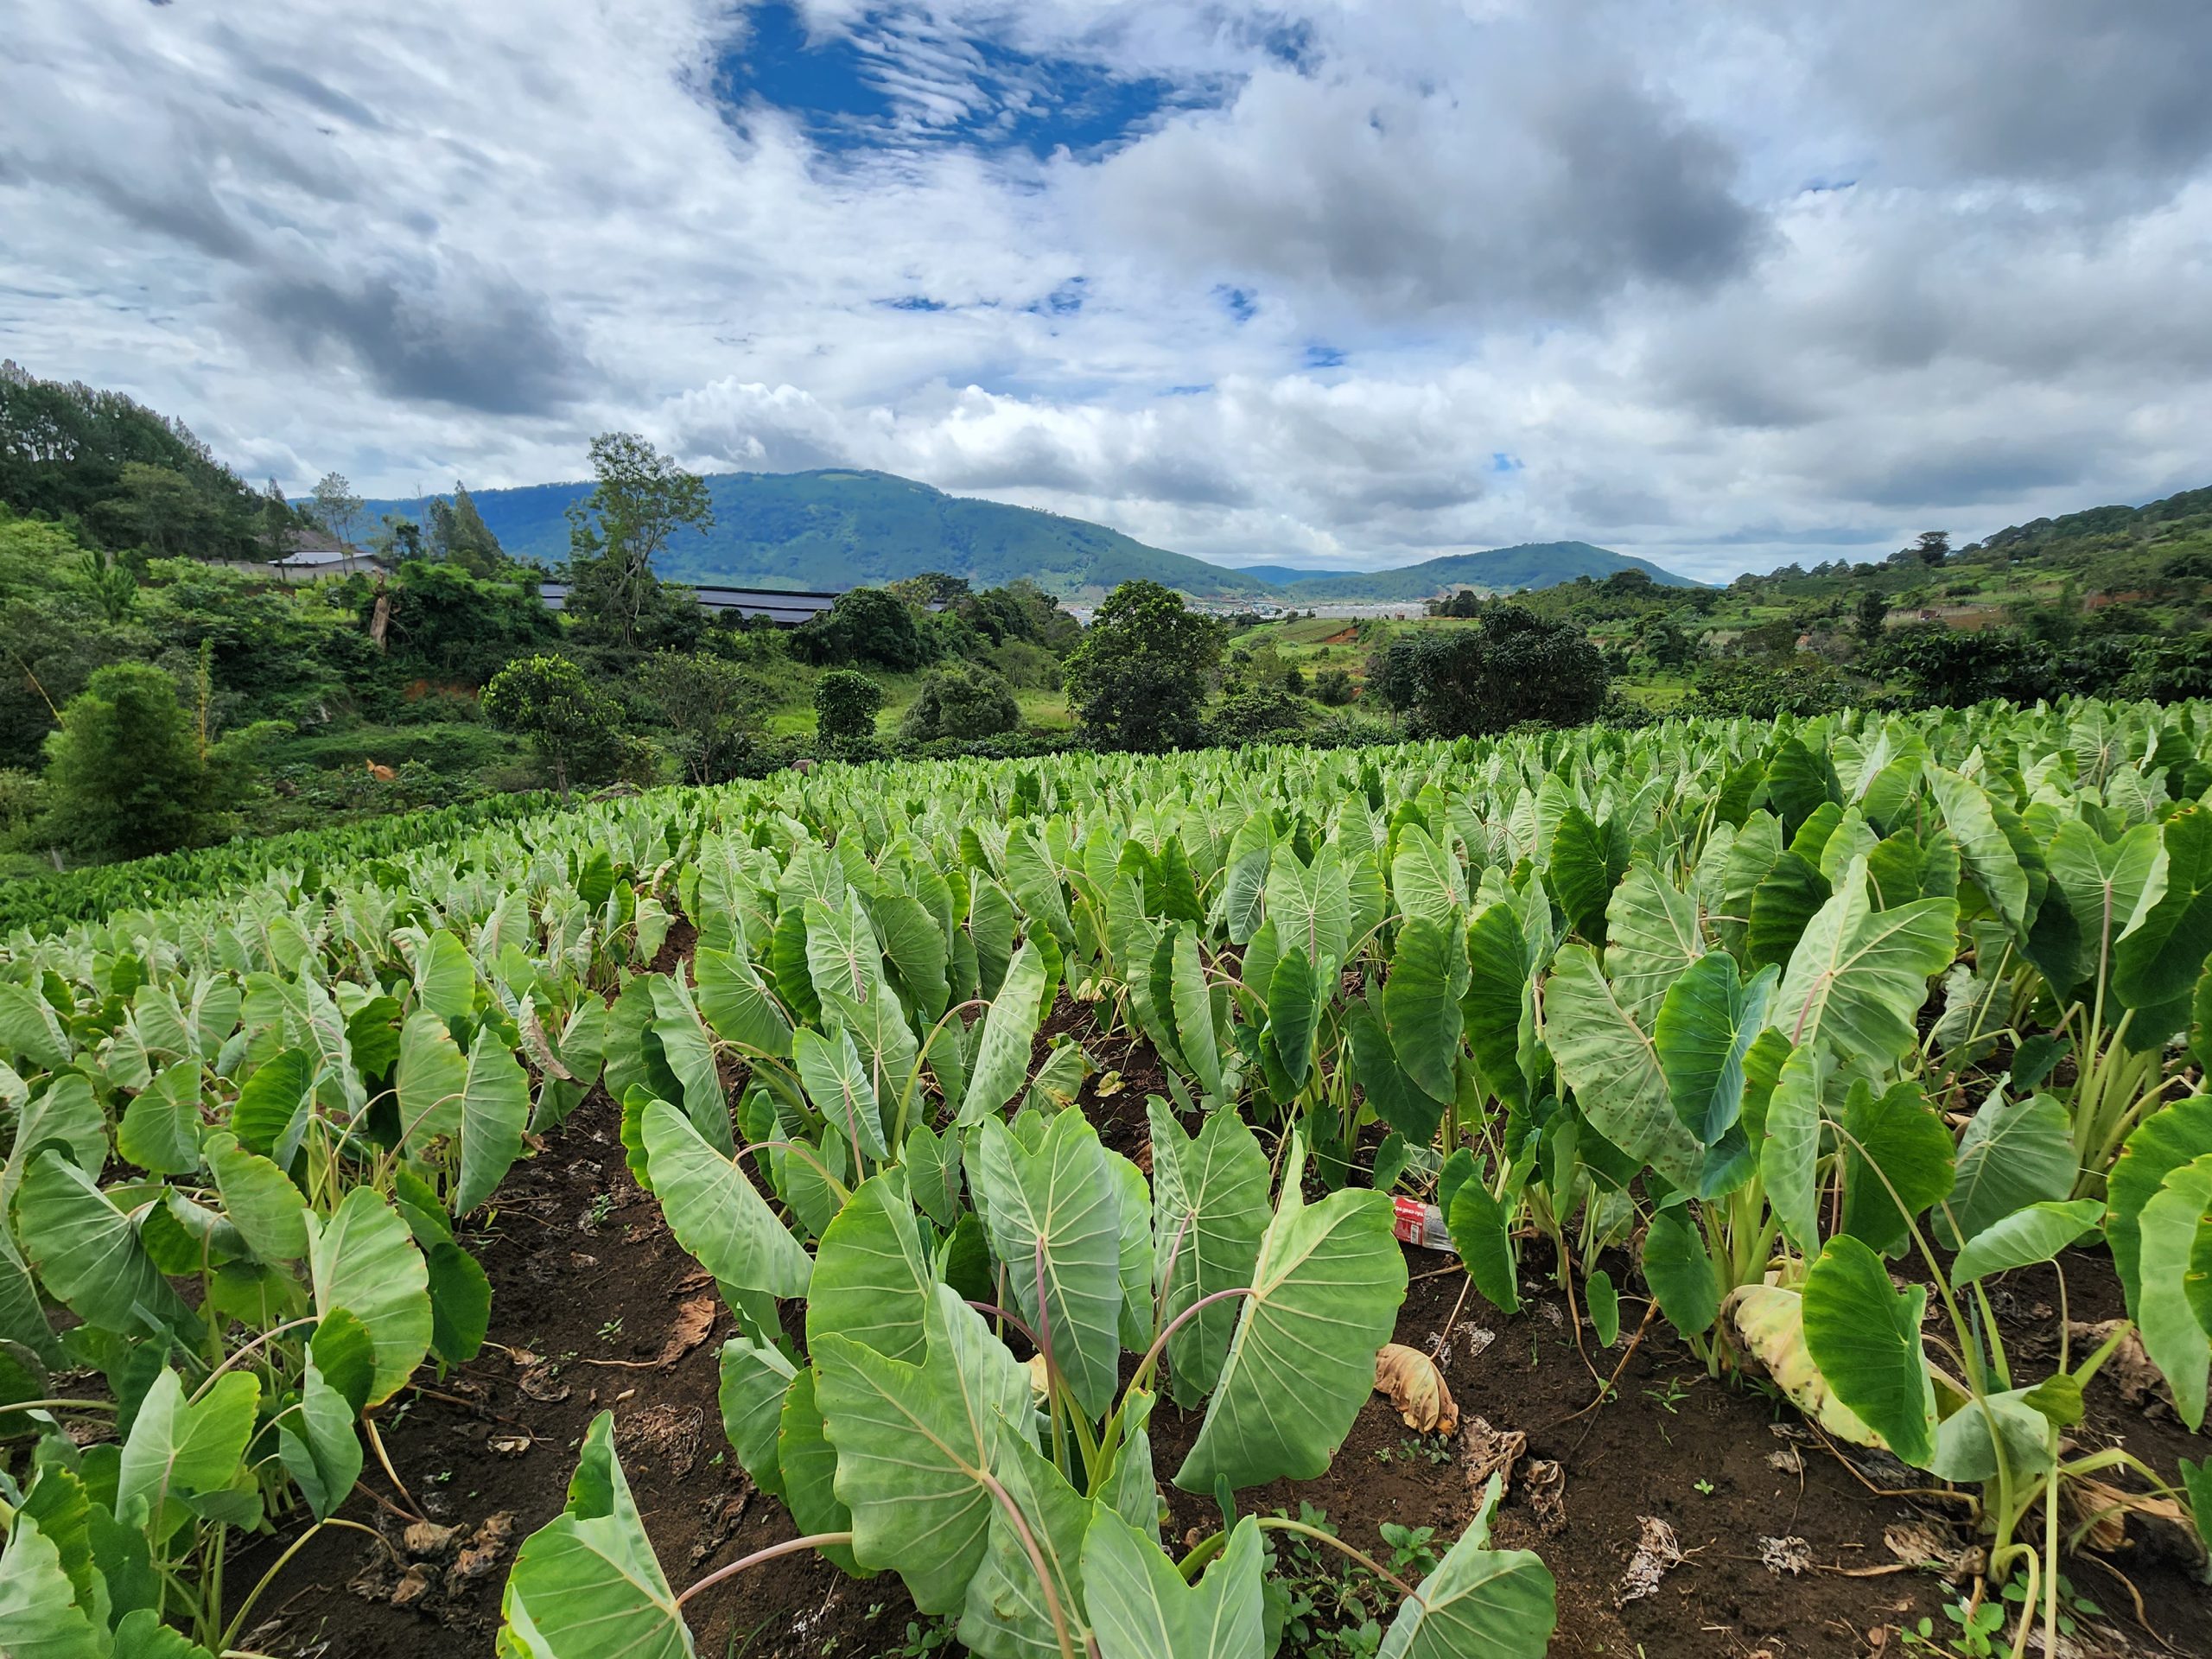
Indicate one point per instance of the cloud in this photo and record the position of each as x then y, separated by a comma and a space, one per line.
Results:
1259, 280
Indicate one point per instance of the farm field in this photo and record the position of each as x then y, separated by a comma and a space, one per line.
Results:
961, 1206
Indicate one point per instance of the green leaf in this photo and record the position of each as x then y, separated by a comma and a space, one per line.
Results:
1193, 1006
87, 1253
1865, 1336
1002, 1053
1605, 1303
1393, 1095
933, 1165
587, 1585
39, 1615
1681, 1272
736, 1005
1210, 1211
838, 1085
160, 1129
1790, 1149
1421, 1004
482, 1100
807, 1464
1707, 1023
1325, 1294
1859, 976
1481, 1232
1782, 906
445, 977
2160, 1143
260, 1200
1007, 1615
1310, 906
2173, 1338
1609, 1062
1054, 1219
688, 1054
754, 1379
178, 1450
1293, 1007
1985, 850
364, 1260
871, 1281
1653, 938
1898, 1134
716, 1213
63, 1116
2197, 1482
1425, 879
916, 945
2024, 1238
319, 1446
2105, 884
1965, 1453
346, 1354
1581, 873
916, 1444
2156, 965
1480, 1602
460, 1303
2012, 1154
1141, 1608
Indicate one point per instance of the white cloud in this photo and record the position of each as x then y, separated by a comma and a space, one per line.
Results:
1725, 293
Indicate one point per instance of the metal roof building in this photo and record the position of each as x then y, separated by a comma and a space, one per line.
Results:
785, 609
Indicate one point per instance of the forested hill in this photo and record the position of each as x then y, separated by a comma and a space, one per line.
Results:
840, 529
1502, 569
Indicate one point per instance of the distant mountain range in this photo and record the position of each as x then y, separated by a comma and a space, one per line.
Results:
838, 528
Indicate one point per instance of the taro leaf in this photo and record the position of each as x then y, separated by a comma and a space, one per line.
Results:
1054, 1219
445, 977
1482, 1233
1790, 1150
319, 1445
1002, 1053
2172, 1337
587, 1585
1707, 1023
1504, 961
1294, 999
272, 1105
1985, 850
160, 1129
22, 1319
1194, 1007
917, 1445
260, 1200
2161, 1142
716, 1212
178, 1450
1325, 1294
1900, 1136
2105, 883
1420, 1003
1141, 1609
2024, 1238
364, 1260
1652, 937
1865, 1336
1427, 880
2012, 1154
1007, 1614
2156, 966
1963, 1449
1782, 905
39, 1615
1859, 975
1395, 1098
1310, 906
66, 1117
1130, 1489
807, 1464
754, 1379
481, 1099
1681, 1272
2197, 1482
1605, 1304
1797, 781
1581, 873
933, 1165
871, 1281
736, 1005
1480, 1602
1210, 1211
460, 1303
687, 1052
1609, 1063
1134, 1208
916, 945
87, 1253
838, 1085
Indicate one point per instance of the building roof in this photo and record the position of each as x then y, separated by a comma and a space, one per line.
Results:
317, 549
788, 609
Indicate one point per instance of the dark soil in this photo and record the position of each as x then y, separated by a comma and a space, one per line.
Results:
585, 1274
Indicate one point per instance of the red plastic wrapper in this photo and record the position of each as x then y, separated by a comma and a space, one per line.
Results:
1416, 1223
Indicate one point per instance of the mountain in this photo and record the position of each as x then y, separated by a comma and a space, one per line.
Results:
1502, 569
1277, 574
839, 528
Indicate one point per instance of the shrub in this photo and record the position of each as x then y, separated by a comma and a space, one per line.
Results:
846, 705
573, 725
1264, 714
1333, 687
960, 700
1142, 671
1512, 666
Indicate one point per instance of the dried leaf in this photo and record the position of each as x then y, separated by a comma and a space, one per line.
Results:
695, 1319
1657, 1549
1779, 1555
428, 1538
509, 1446
1416, 1388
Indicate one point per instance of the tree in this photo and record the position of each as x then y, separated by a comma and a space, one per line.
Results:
640, 499
1139, 674
459, 536
960, 700
1512, 666
845, 707
161, 509
336, 507
867, 625
1333, 686
112, 582
1933, 547
278, 531
126, 776
573, 725
708, 704
1873, 616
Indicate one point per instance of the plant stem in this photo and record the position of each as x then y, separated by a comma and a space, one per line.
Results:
789, 1546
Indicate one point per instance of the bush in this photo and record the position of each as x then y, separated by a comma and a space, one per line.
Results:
125, 775
1512, 667
845, 706
573, 725
1762, 690
1333, 687
1140, 673
1265, 714
867, 625
960, 702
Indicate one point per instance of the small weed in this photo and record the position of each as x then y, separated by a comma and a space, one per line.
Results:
1669, 1398
1705, 1486
1329, 1606
602, 1206
611, 1330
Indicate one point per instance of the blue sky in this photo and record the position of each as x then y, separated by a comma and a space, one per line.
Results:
1331, 282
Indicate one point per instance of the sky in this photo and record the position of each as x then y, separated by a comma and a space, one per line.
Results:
1340, 284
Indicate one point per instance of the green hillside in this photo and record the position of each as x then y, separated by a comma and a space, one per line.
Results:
840, 529
1502, 569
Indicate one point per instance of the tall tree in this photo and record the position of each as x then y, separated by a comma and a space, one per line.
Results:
459, 536
572, 724
1934, 546
640, 499
125, 775
278, 531
1512, 666
1142, 669
336, 507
